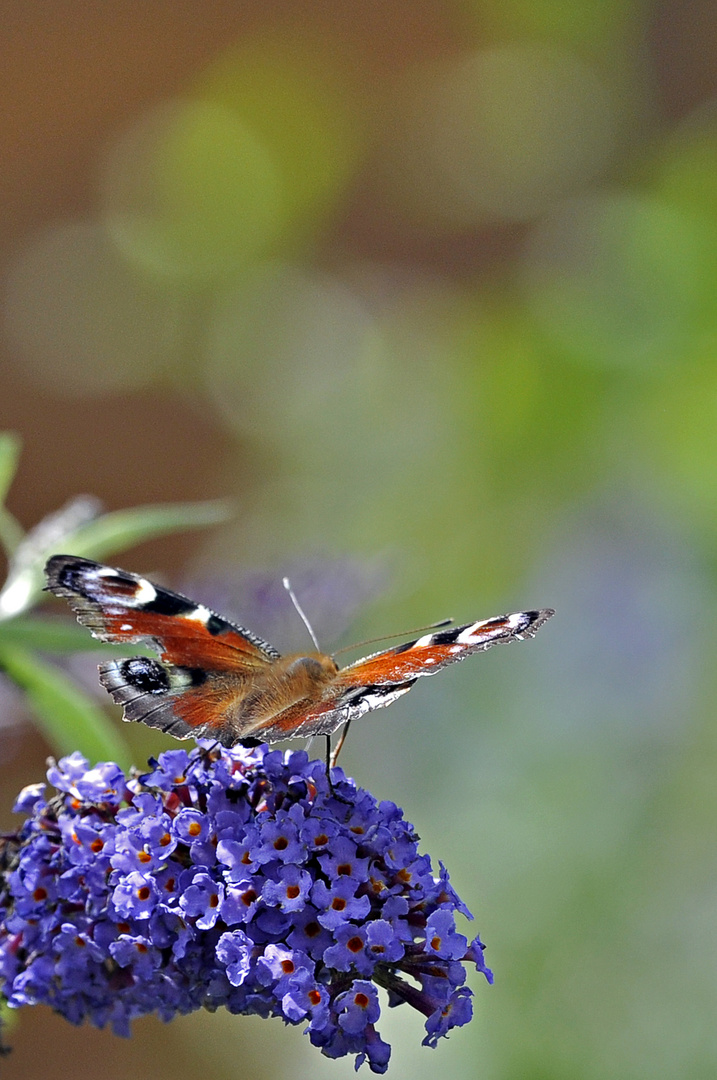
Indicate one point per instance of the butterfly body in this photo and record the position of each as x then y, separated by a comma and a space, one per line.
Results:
216, 679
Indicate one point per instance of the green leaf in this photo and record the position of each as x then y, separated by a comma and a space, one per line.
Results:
11, 532
96, 537
9, 455
68, 718
57, 635
30, 555
61, 635
8, 1022
122, 529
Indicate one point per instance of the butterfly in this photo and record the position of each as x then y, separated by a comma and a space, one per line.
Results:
215, 679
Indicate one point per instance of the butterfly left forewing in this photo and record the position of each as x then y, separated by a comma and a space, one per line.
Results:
121, 607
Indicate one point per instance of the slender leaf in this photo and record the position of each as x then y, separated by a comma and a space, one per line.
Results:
11, 532
57, 635
8, 1022
9, 455
122, 529
60, 635
96, 537
68, 718
31, 553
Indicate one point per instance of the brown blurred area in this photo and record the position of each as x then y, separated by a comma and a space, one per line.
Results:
71, 74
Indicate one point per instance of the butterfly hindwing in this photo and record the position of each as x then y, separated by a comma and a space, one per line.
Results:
184, 702
323, 716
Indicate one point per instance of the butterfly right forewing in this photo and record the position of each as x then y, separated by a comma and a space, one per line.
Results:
428, 654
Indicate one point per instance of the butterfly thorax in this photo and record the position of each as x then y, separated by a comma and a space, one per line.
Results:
289, 680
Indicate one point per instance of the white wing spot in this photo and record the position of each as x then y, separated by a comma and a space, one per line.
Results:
455, 648
369, 702
199, 614
126, 626
423, 641
146, 592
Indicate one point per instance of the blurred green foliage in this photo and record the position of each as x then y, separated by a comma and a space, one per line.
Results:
69, 719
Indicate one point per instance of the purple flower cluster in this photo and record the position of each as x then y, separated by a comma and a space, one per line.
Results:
228, 877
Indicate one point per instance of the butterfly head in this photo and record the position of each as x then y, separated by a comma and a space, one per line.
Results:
314, 667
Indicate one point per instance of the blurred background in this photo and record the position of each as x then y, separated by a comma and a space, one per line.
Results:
430, 291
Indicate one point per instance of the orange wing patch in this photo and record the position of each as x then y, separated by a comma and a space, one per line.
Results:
184, 641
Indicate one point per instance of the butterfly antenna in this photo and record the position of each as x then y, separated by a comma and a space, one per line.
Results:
297, 605
387, 637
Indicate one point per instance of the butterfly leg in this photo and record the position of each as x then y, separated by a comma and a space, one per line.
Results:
329, 763
340, 743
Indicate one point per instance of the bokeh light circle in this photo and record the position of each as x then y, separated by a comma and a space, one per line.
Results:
588, 21
82, 321
615, 279
296, 89
497, 136
190, 192
287, 353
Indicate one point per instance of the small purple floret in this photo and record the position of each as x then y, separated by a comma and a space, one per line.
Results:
228, 877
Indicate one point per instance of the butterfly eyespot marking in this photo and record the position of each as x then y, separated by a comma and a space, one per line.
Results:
146, 675
152, 676
166, 603
112, 584
445, 637
69, 577
195, 676
145, 595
